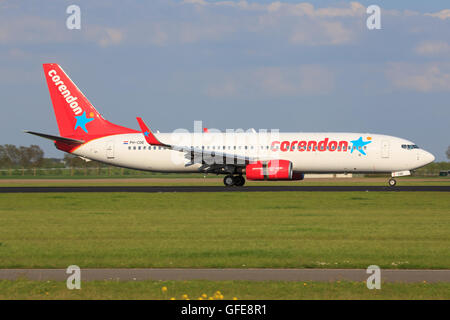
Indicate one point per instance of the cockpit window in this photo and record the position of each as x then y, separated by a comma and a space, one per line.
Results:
410, 146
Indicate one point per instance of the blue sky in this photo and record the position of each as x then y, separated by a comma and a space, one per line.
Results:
289, 65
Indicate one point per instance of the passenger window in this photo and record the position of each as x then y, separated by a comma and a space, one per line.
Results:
134, 148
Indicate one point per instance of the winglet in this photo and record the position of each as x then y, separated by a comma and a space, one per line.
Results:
148, 134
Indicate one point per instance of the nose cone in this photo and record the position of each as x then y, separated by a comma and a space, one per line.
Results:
428, 157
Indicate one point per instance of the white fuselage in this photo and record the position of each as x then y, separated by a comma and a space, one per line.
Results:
335, 154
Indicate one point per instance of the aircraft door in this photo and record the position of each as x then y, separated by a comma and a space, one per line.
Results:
385, 149
110, 149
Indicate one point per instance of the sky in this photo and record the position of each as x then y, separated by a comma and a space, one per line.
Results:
287, 65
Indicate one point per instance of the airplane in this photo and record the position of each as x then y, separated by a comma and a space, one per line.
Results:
259, 156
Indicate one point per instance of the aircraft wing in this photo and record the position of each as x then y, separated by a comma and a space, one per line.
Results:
210, 159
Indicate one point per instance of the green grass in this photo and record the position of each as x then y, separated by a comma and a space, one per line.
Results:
242, 290
213, 180
115, 175
280, 229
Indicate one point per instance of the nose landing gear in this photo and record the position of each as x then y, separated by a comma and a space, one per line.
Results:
392, 182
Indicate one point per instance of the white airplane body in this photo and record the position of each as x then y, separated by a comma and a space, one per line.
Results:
259, 156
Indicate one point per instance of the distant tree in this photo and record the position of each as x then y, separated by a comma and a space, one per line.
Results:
3, 157
448, 152
31, 156
52, 163
25, 157
11, 155
35, 155
73, 161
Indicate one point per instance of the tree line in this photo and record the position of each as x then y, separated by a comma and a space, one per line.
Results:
13, 157
24, 157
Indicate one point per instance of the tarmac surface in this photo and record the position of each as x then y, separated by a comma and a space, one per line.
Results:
155, 189
388, 275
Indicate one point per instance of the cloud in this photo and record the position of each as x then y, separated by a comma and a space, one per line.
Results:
30, 30
297, 9
104, 36
316, 27
432, 48
273, 81
443, 14
325, 33
37, 30
225, 89
432, 77
202, 21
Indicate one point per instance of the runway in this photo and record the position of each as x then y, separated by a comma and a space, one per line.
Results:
430, 276
156, 189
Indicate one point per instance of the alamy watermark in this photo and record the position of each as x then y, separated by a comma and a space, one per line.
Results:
373, 22
374, 281
74, 280
73, 22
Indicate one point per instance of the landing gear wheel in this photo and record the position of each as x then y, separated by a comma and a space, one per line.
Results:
239, 181
392, 182
228, 181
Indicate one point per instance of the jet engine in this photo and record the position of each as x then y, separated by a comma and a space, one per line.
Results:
272, 170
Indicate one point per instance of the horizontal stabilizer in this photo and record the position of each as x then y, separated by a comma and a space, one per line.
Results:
56, 138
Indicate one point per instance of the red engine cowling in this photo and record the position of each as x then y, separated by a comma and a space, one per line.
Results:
272, 170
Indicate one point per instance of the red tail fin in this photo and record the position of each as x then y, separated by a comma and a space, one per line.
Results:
76, 116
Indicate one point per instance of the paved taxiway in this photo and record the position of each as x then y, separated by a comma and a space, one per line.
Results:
390, 275
154, 189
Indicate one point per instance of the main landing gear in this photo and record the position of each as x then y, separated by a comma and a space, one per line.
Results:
392, 182
231, 180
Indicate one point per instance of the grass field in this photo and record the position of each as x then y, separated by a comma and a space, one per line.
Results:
213, 180
282, 229
242, 290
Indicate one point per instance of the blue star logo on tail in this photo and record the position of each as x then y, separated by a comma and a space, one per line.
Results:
359, 145
82, 121
146, 133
